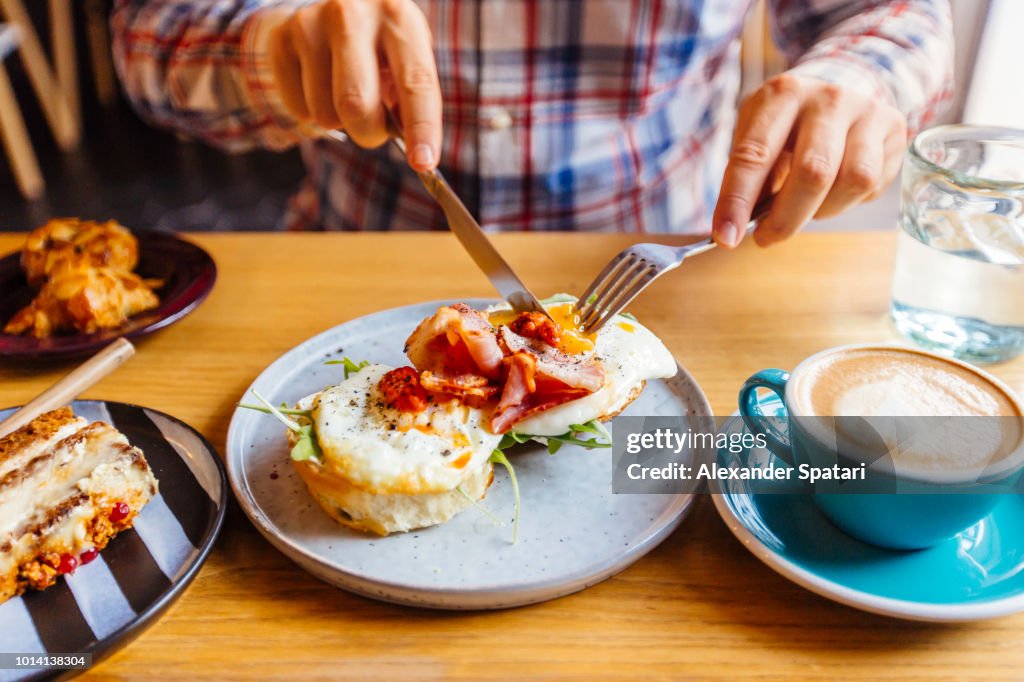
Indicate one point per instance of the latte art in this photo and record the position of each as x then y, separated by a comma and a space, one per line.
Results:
931, 414
868, 382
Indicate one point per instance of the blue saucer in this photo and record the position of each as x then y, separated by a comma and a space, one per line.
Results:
975, 575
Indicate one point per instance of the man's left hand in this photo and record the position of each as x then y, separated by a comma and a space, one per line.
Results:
822, 149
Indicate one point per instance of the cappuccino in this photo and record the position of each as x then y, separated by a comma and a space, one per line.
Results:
878, 384
868, 382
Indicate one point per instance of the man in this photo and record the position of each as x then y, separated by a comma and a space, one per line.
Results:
549, 114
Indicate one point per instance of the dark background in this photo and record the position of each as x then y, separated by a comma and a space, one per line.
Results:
143, 177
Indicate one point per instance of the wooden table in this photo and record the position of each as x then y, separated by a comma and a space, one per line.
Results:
698, 606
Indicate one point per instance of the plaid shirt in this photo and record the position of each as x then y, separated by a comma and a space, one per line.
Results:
604, 115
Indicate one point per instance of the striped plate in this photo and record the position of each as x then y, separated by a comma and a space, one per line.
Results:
107, 603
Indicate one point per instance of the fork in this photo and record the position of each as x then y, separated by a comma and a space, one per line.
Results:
635, 268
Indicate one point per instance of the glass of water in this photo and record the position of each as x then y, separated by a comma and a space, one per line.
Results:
958, 287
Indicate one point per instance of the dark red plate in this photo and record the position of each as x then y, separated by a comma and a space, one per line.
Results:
188, 273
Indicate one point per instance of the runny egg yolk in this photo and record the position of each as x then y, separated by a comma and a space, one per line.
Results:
573, 341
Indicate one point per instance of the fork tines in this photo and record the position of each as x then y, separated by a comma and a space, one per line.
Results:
618, 284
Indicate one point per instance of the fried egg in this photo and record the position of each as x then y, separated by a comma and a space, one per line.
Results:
630, 352
382, 450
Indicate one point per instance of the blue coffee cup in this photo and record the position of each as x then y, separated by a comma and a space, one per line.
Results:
880, 503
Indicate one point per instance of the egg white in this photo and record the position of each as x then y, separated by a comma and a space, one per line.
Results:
372, 446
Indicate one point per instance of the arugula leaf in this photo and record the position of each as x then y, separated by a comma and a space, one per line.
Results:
306, 445
601, 438
498, 457
476, 503
590, 443
282, 410
290, 424
511, 438
351, 366
595, 427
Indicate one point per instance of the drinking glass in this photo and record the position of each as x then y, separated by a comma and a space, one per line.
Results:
958, 286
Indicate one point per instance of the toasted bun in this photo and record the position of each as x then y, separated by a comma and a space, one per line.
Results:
382, 513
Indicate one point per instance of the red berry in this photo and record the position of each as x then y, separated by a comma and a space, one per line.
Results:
120, 512
88, 556
68, 564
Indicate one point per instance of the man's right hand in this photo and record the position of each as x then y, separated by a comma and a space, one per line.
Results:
338, 63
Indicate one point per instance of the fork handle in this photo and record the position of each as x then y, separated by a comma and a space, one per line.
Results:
761, 209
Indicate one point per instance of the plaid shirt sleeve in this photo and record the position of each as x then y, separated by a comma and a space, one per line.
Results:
194, 67
900, 50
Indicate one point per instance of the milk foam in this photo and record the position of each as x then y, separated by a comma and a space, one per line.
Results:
892, 383
877, 384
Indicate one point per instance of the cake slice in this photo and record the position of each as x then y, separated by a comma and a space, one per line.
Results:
67, 487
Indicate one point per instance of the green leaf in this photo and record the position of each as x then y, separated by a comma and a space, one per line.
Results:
498, 457
351, 366
511, 438
289, 423
629, 316
306, 446
594, 426
282, 410
590, 444
476, 503
601, 437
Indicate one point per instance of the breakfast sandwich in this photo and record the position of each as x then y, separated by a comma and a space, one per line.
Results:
395, 449
67, 487
576, 378
388, 456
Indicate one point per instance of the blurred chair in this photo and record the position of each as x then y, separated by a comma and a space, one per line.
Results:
63, 120
55, 87
15, 138
97, 14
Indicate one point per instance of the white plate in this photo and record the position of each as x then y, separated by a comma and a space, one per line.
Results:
573, 531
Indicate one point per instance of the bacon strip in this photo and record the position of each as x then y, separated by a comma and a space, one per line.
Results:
458, 352
570, 370
456, 341
526, 393
464, 386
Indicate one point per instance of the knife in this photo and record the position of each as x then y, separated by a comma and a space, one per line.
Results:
469, 233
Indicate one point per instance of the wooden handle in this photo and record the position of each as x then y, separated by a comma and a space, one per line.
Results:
68, 388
